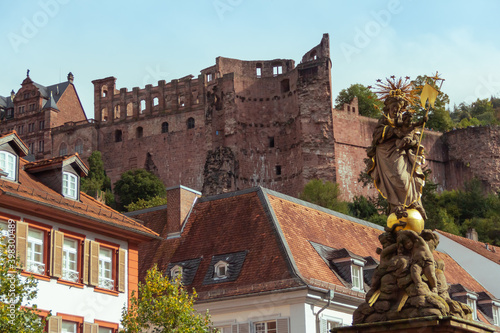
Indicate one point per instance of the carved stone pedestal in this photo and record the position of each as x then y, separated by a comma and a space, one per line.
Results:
419, 325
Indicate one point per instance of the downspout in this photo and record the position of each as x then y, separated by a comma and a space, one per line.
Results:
330, 296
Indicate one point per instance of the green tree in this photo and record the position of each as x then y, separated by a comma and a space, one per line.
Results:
163, 306
17, 313
439, 116
138, 184
368, 104
143, 204
97, 183
325, 194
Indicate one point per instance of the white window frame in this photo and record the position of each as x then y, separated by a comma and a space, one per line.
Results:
357, 277
35, 266
217, 272
68, 180
496, 314
471, 302
175, 271
263, 326
4, 231
106, 281
68, 273
105, 330
8, 163
66, 323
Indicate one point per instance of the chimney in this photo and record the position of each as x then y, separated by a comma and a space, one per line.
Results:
180, 201
71, 77
471, 234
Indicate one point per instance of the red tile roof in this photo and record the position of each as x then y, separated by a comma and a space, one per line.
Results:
493, 253
277, 232
30, 189
54, 161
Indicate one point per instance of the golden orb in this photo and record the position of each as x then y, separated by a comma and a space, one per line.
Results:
414, 221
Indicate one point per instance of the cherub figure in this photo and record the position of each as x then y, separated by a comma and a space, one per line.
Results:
422, 259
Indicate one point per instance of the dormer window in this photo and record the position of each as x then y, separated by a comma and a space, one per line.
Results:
175, 272
221, 270
496, 315
8, 164
471, 302
70, 185
357, 277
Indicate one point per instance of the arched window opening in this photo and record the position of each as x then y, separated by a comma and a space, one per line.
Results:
63, 149
143, 106
79, 146
130, 109
139, 132
164, 127
156, 101
190, 123
117, 112
104, 91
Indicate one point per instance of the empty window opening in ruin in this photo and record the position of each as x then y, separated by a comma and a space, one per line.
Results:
313, 55
63, 149
258, 70
104, 114
139, 132
143, 106
164, 127
117, 112
209, 77
348, 108
278, 170
277, 69
156, 101
285, 85
271, 142
79, 146
104, 91
190, 123
130, 109
118, 136
354, 109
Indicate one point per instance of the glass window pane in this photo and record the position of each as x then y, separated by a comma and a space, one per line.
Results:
68, 327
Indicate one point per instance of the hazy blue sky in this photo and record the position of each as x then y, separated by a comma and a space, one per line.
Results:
141, 42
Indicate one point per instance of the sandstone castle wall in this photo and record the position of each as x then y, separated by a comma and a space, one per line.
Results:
246, 123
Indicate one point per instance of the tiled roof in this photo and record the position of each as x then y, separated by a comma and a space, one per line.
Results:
30, 189
59, 160
279, 234
493, 253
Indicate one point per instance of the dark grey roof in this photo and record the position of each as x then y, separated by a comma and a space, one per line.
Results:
6, 102
189, 269
51, 103
235, 262
56, 89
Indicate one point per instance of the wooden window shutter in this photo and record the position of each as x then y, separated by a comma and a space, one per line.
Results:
90, 328
234, 329
94, 263
122, 265
244, 328
55, 324
56, 250
282, 325
22, 242
86, 262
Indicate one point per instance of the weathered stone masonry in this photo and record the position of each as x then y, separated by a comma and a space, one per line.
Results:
245, 123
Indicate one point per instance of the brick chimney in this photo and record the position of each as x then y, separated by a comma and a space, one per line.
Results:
471, 234
180, 200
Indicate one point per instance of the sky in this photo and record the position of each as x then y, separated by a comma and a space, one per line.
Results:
142, 42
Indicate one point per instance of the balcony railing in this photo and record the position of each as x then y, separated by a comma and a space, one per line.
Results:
106, 283
35, 267
70, 275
